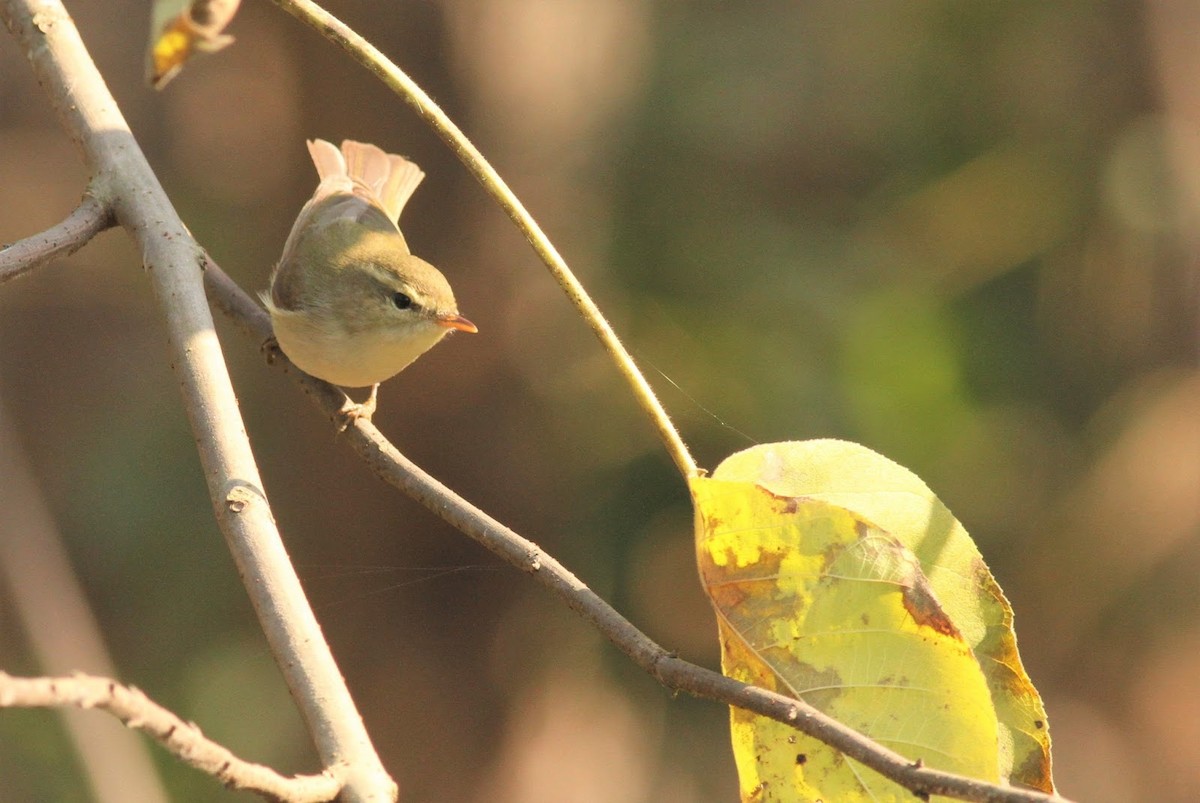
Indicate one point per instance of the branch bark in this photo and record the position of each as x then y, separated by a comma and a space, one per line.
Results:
45, 32
183, 739
92, 216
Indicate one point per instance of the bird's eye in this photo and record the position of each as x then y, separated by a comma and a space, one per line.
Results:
402, 300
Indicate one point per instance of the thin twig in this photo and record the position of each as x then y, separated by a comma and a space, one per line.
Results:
183, 739
91, 217
366, 54
89, 114
394, 468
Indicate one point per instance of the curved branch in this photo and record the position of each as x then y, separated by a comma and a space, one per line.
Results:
91, 217
366, 54
393, 467
183, 739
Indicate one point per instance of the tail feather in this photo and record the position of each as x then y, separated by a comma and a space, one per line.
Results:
327, 158
366, 164
384, 179
402, 181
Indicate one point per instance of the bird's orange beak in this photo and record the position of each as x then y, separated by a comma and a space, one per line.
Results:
456, 322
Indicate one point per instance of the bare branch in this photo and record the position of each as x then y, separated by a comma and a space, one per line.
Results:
394, 468
91, 217
181, 738
366, 54
89, 114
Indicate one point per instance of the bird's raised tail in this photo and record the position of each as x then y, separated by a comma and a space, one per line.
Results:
384, 179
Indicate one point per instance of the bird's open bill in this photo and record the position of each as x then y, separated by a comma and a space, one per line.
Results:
457, 322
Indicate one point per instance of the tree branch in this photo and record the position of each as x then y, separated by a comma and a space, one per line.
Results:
90, 116
366, 54
183, 739
91, 217
390, 465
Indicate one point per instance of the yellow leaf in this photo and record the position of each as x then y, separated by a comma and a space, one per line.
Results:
181, 28
839, 578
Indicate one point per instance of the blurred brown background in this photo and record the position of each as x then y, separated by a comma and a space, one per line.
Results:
965, 235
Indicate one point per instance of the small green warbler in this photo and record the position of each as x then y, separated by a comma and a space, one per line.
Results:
349, 302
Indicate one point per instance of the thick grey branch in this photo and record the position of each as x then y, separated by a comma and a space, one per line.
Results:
181, 738
91, 217
90, 116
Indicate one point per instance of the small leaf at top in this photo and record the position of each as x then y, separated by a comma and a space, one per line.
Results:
180, 28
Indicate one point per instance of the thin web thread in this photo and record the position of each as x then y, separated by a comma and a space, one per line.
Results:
642, 359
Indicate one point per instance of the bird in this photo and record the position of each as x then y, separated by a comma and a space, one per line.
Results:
349, 302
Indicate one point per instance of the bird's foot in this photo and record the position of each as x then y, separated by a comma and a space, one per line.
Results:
270, 349
351, 412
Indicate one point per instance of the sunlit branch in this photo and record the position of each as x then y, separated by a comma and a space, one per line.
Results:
87, 111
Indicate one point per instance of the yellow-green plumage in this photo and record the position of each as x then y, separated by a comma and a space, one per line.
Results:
337, 295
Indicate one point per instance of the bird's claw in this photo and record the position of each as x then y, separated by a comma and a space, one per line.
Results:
351, 411
270, 349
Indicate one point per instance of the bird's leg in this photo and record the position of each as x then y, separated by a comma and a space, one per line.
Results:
270, 349
367, 408
351, 411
